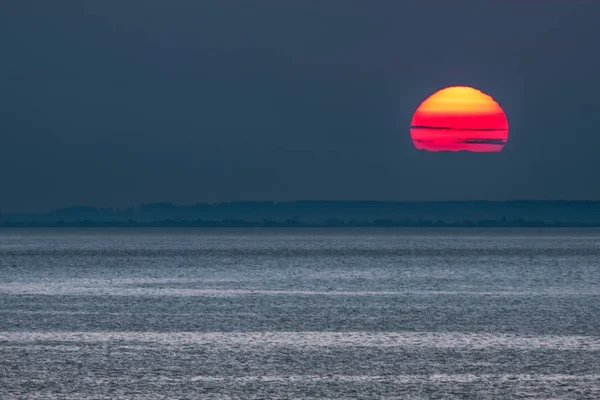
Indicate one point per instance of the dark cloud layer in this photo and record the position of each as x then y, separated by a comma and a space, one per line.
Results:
113, 103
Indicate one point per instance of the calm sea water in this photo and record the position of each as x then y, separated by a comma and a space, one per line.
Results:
265, 314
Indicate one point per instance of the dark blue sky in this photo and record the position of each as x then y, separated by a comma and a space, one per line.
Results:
113, 103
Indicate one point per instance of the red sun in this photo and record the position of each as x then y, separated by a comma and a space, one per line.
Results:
459, 118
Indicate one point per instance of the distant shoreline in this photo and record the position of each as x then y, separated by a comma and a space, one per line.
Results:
320, 214
298, 224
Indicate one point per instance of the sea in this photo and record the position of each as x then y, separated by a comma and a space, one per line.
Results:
300, 313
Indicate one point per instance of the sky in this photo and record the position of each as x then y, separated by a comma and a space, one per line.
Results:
112, 103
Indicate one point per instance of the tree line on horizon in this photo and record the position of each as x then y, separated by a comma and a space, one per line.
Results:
297, 223
322, 214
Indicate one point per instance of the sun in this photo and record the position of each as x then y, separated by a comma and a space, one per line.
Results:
459, 118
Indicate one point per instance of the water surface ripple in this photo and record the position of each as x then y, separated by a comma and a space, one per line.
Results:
299, 313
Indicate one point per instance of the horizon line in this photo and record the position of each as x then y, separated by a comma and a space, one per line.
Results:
278, 202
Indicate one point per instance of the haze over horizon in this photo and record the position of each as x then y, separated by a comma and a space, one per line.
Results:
136, 206
113, 104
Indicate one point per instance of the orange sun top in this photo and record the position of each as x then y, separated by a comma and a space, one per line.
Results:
459, 118
460, 99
